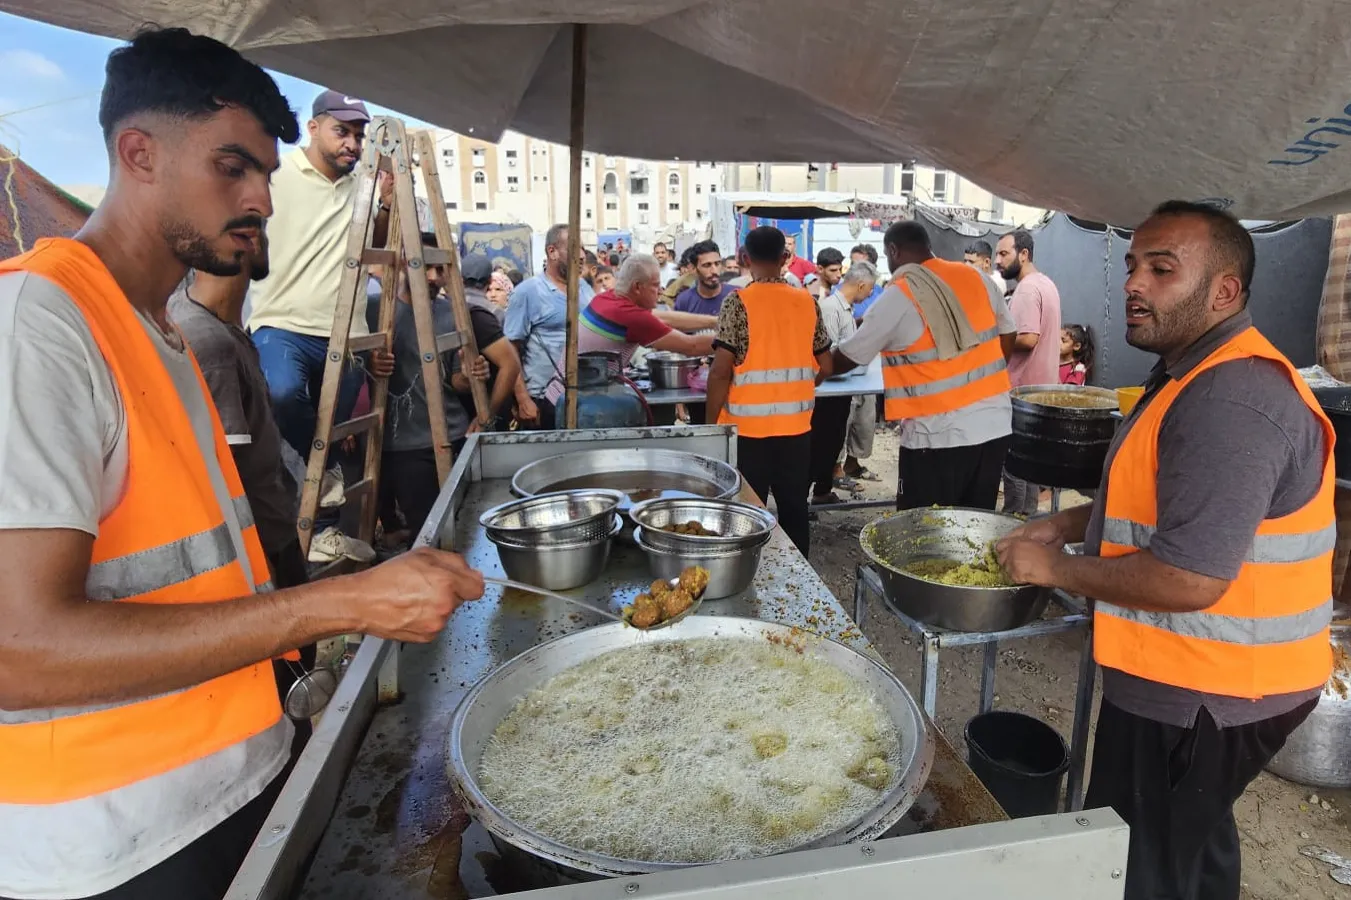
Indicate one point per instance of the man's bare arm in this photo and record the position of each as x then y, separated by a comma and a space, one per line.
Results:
685, 321
719, 383
688, 344
1026, 341
502, 353
58, 648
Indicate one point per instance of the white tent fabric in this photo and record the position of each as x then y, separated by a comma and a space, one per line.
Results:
1097, 107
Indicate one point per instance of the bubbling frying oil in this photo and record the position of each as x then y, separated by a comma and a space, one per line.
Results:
693, 751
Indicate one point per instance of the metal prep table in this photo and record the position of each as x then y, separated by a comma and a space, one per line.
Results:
368, 811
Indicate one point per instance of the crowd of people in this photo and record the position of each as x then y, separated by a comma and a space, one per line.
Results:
151, 584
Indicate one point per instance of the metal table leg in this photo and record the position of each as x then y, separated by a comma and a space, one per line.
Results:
987, 676
860, 600
1083, 709
928, 676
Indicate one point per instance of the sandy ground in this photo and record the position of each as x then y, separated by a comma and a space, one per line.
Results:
1275, 817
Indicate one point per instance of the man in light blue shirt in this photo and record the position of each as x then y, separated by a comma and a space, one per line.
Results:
536, 322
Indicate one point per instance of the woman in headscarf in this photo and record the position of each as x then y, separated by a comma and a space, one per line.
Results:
498, 293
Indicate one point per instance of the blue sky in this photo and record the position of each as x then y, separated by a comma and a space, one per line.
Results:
50, 79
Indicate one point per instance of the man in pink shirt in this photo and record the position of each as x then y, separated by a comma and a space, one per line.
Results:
1036, 352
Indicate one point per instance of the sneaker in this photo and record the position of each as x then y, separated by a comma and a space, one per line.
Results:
331, 544
331, 489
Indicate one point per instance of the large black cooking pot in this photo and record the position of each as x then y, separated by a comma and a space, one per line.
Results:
1336, 403
1061, 446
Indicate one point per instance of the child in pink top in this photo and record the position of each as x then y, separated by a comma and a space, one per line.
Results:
1076, 354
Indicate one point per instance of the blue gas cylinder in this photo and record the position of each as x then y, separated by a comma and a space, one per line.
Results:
604, 398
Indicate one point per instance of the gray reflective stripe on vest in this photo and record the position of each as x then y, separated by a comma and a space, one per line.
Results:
159, 567
944, 384
1248, 632
243, 512
920, 356
1266, 548
773, 376
751, 410
28, 716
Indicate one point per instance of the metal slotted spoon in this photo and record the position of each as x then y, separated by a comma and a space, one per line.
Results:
593, 607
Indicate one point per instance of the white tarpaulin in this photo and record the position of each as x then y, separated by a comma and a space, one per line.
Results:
1097, 107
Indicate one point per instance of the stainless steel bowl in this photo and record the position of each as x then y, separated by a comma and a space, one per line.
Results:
671, 371
729, 571
737, 524
565, 517
641, 473
897, 540
488, 702
557, 567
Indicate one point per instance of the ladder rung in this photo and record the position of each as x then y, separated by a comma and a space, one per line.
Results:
435, 256
367, 342
361, 487
377, 257
448, 341
353, 426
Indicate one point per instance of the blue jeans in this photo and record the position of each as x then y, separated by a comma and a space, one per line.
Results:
293, 365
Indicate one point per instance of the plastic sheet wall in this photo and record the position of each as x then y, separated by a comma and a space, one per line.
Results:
1087, 263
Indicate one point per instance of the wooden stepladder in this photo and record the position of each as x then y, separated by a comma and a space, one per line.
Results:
388, 150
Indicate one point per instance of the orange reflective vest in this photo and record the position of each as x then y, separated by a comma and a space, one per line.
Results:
917, 383
166, 541
1268, 633
773, 391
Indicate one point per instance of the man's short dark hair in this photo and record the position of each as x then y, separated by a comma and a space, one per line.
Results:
1022, 240
554, 236
867, 250
703, 247
604, 270
980, 248
729, 259
516, 276
614, 259
687, 257
660, 244
590, 257
908, 234
829, 257
173, 72
765, 244
1233, 244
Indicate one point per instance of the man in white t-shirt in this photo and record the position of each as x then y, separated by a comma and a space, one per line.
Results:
669, 270
141, 743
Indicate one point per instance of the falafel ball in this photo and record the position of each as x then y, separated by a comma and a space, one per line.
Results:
695, 580
646, 611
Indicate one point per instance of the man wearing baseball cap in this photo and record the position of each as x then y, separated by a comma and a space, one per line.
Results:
292, 309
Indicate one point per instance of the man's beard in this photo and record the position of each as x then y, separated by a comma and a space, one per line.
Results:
562, 269
337, 164
1012, 270
191, 248
1168, 332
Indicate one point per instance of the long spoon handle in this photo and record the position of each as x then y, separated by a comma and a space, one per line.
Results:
530, 588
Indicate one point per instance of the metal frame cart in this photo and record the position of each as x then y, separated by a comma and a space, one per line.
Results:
934, 639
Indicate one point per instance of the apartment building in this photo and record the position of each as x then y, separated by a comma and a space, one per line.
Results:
523, 179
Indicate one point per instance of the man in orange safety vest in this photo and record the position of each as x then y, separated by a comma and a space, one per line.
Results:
141, 737
1208, 553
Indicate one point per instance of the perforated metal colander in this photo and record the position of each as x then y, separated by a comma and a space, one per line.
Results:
565, 517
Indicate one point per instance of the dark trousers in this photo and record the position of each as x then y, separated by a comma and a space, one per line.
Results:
830, 424
1176, 788
952, 476
780, 466
408, 483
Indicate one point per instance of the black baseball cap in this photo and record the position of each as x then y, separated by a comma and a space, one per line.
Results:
476, 267
341, 107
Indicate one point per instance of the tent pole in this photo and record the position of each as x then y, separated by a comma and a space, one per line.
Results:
576, 139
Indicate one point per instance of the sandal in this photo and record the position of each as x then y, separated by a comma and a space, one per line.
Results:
863, 474
845, 483
826, 499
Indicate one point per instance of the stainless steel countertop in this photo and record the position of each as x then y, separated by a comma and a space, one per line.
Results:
869, 382
395, 831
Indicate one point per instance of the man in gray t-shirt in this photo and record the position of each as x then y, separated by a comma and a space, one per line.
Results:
1236, 446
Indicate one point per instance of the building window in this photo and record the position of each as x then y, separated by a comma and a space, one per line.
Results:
699, 214
637, 185
479, 156
512, 179
712, 188
642, 207
611, 185
586, 161
609, 162
587, 187
588, 213
511, 154
448, 154
673, 207
908, 178
451, 204
698, 188
480, 205
941, 187
611, 205
480, 178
